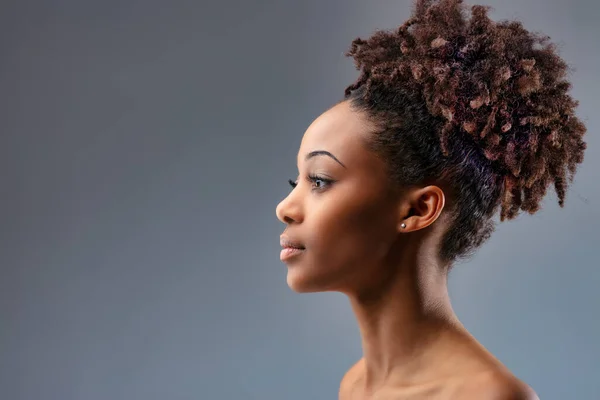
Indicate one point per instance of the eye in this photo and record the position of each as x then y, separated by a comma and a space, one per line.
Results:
319, 183
324, 182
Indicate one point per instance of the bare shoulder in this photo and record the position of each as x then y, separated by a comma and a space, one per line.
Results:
349, 379
500, 385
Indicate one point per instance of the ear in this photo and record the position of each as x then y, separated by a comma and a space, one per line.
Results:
420, 207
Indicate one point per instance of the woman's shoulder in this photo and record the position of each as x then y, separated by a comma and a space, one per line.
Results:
496, 385
489, 384
350, 379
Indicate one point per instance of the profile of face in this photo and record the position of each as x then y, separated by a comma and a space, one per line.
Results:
341, 211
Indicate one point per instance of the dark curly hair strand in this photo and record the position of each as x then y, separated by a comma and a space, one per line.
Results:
477, 105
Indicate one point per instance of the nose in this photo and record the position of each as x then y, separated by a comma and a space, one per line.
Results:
288, 210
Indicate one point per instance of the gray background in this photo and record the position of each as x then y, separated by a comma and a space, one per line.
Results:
144, 148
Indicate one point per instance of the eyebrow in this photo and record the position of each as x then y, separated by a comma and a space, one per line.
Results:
322, 153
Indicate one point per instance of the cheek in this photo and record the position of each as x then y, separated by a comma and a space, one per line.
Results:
350, 234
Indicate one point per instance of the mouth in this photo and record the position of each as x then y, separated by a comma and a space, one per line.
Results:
291, 248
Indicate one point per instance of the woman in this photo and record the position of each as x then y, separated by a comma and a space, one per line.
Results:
453, 118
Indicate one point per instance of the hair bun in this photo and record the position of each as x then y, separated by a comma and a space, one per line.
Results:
500, 84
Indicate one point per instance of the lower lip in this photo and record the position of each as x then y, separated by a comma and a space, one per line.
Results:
288, 253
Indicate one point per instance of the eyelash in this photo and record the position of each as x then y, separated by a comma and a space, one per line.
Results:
312, 178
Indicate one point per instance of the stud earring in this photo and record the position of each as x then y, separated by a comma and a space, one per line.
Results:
403, 225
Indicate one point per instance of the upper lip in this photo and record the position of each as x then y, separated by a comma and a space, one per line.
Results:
287, 242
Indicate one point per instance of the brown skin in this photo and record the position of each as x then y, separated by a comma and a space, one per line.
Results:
414, 345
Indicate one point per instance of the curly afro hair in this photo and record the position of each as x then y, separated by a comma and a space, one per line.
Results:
479, 106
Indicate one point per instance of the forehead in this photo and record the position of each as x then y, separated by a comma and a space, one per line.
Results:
340, 131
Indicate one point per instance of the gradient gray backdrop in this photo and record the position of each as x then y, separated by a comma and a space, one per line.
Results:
144, 146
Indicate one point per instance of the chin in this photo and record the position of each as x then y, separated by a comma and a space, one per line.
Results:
299, 285
304, 283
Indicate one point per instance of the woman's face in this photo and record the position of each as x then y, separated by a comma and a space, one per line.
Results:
342, 213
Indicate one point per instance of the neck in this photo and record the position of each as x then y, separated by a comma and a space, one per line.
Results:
404, 319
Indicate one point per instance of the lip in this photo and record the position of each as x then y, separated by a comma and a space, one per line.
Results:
291, 248
287, 242
290, 252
